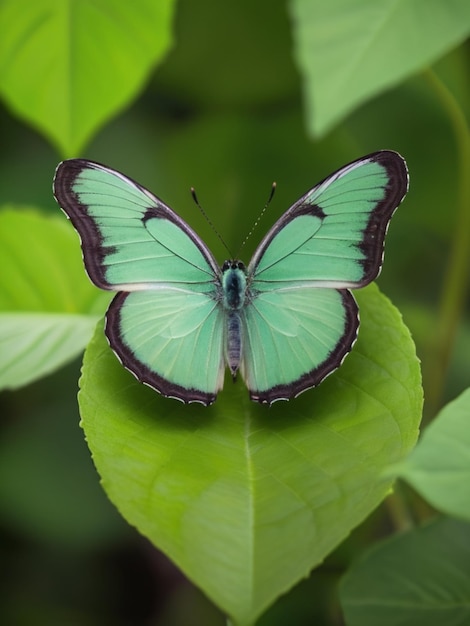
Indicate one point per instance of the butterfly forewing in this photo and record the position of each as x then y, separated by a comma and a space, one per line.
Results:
334, 235
130, 238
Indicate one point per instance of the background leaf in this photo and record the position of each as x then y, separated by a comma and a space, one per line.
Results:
247, 500
420, 578
66, 66
439, 466
35, 344
351, 52
48, 307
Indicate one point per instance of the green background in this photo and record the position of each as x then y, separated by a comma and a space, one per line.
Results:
224, 97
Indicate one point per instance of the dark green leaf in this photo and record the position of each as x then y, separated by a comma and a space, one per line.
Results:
421, 578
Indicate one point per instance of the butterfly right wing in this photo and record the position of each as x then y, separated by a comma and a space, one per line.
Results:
294, 338
301, 320
333, 236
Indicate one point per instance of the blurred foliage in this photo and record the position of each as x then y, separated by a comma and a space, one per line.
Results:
222, 112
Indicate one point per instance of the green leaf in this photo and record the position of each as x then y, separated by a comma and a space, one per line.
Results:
246, 500
33, 345
439, 467
420, 578
48, 307
67, 66
350, 52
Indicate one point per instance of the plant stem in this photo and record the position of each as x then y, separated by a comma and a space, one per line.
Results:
455, 286
398, 509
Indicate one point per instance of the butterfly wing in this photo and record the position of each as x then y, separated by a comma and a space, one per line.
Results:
294, 338
300, 310
170, 339
167, 314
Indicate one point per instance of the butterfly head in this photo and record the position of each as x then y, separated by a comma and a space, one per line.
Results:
233, 264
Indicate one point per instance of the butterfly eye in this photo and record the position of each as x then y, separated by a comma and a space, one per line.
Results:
226, 266
241, 265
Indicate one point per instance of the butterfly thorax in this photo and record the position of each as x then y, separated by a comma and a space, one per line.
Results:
233, 285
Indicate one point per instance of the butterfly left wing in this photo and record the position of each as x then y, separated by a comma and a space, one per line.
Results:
331, 240
171, 340
130, 239
165, 324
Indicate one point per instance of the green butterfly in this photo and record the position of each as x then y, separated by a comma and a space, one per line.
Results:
285, 322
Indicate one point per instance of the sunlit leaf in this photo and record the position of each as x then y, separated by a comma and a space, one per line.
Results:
66, 66
351, 51
48, 307
35, 344
246, 500
439, 466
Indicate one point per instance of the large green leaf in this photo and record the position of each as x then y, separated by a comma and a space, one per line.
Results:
246, 500
351, 51
439, 466
48, 307
421, 578
66, 66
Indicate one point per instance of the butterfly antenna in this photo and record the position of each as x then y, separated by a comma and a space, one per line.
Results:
258, 219
209, 221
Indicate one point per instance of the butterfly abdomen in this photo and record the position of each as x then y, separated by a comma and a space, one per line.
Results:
233, 349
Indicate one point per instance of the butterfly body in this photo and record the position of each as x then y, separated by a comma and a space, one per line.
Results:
234, 296
285, 321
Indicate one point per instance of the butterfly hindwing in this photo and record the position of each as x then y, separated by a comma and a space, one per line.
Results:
164, 324
171, 340
305, 332
330, 240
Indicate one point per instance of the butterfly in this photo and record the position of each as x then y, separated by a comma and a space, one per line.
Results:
284, 322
